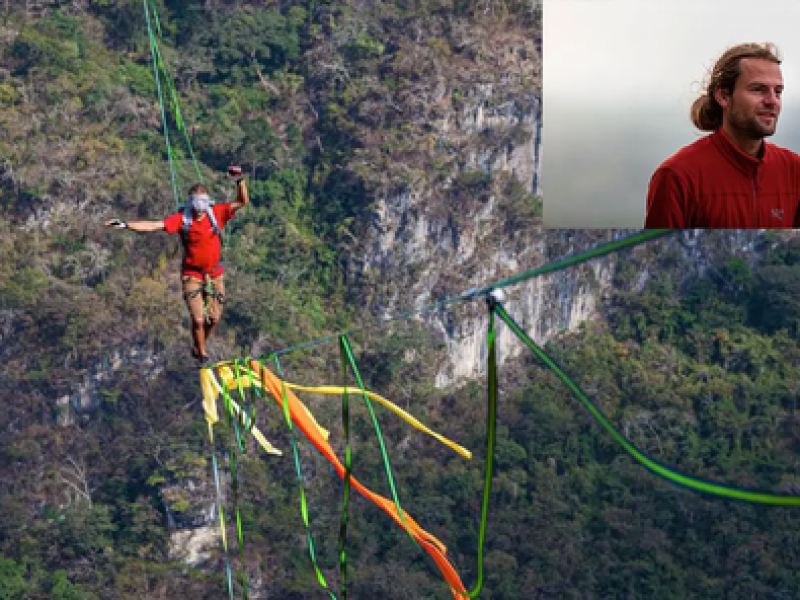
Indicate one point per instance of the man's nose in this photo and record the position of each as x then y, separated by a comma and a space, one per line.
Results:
772, 97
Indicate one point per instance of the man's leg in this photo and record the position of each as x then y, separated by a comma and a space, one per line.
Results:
199, 338
208, 327
192, 294
215, 305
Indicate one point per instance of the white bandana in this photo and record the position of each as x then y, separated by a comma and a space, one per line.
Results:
200, 202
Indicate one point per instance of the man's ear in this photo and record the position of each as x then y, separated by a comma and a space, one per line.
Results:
722, 97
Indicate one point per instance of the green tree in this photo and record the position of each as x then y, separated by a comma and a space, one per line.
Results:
86, 530
13, 584
249, 43
775, 303
64, 590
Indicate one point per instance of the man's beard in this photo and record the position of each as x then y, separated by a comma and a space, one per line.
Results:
750, 125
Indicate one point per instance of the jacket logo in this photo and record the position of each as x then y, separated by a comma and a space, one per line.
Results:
777, 213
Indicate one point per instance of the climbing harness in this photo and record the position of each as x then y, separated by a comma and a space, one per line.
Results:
209, 291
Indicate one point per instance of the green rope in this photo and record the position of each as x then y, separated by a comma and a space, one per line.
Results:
229, 410
156, 19
173, 94
610, 248
153, 46
255, 393
491, 430
300, 480
247, 425
615, 246
345, 344
347, 471
668, 473
221, 511
232, 422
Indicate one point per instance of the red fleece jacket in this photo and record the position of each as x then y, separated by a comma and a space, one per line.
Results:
712, 184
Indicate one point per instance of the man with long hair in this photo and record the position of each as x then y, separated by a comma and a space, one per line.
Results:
200, 225
732, 178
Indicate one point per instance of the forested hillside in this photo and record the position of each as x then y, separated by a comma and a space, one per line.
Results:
106, 487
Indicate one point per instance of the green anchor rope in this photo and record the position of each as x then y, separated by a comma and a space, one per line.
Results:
663, 471
574, 259
491, 436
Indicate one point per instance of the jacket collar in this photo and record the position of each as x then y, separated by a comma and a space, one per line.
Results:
743, 162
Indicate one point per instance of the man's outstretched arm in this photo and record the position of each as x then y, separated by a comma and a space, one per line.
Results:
142, 226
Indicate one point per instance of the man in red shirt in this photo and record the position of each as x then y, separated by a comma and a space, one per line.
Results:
200, 225
731, 178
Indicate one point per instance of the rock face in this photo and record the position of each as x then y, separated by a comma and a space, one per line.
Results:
433, 243
194, 546
516, 124
90, 394
543, 307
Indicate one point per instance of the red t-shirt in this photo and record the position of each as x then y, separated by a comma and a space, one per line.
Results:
202, 246
712, 184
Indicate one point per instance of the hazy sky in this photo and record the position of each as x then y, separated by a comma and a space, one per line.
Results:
619, 78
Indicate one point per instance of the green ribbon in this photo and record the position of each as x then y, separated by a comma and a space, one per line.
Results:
345, 344
347, 471
300, 480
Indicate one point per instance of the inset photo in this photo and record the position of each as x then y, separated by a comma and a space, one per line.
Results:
671, 114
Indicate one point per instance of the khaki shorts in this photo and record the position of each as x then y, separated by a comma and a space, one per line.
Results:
195, 299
